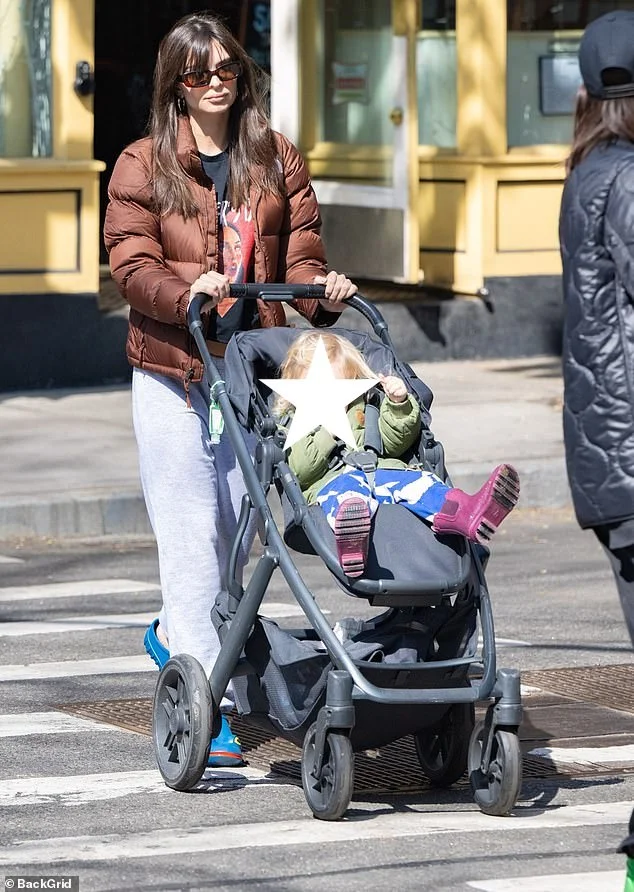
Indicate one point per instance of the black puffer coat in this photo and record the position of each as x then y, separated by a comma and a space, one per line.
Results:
597, 244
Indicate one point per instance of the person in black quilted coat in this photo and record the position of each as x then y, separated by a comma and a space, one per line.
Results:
597, 246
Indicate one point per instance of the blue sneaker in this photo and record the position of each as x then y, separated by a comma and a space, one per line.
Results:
224, 751
159, 653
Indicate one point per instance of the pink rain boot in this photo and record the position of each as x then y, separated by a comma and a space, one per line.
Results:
352, 535
478, 516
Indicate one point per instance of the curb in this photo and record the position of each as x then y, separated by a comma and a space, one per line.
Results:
111, 514
543, 485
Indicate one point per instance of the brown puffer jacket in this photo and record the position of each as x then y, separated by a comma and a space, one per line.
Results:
154, 259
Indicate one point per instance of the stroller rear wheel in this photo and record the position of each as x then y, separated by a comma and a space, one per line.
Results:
181, 722
497, 785
328, 792
443, 749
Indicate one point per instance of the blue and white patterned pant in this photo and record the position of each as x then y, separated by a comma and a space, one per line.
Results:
420, 491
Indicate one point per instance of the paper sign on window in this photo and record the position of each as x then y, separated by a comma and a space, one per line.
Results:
350, 82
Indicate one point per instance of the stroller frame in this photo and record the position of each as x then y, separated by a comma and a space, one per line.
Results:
186, 713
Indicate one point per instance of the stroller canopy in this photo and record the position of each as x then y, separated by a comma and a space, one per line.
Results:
252, 355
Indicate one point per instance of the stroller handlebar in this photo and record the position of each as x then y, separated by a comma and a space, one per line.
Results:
273, 292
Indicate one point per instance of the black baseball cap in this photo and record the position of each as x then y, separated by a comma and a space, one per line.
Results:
606, 55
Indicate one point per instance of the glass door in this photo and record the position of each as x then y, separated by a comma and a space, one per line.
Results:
366, 132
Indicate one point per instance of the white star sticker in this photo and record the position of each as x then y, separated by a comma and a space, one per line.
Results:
320, 399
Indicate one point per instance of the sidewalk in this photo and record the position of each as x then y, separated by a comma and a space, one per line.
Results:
68, 457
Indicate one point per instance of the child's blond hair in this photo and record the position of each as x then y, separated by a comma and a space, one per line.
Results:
340, 352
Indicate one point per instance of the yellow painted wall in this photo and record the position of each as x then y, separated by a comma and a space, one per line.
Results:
481, 218
52, 244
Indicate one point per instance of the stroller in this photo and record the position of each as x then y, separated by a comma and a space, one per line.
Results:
414, 669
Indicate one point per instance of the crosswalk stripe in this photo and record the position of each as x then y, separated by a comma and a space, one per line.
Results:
77, 624
79, 789
560, 755
274, 610
74, 668
5, 559
23, 724
305, 831
606, 881
77, 589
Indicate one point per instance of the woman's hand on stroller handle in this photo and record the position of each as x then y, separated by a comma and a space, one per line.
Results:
214, 285
286, 292
337, 289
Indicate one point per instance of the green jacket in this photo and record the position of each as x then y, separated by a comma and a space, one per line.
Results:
310, 458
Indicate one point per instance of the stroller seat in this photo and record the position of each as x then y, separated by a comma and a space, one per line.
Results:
428, 569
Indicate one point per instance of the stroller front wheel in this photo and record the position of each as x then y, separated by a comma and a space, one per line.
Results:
181, 722
497, 785
329, 791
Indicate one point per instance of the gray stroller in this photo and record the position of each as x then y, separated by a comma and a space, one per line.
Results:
414, 669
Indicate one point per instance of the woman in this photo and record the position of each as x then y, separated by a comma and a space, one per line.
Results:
597, 246
212, 191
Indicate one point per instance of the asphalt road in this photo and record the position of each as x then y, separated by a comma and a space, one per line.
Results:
82, 797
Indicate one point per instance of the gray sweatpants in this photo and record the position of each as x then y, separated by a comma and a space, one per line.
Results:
192, 492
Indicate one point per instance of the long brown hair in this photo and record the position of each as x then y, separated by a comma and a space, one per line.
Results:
599, 121
251, 147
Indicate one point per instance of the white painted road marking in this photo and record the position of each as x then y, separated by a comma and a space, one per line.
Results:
307, 831
508, 642
603, 881
23, 724
5, 559
74, 668
591, 755
80, 789
115, 621
77, 624
79, 589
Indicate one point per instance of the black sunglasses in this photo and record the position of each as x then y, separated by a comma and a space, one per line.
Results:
228, 71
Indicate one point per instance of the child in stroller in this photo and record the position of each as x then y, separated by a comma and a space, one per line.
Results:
349, 490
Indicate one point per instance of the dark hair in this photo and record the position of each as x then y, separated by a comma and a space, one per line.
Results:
251, 147
599, 121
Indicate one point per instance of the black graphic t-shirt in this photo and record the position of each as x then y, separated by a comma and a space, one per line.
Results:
236, 249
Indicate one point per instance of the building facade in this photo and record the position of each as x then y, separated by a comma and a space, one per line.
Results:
75, 88
435, 130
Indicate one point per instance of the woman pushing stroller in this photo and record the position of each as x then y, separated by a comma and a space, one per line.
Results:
212, 196
349, 496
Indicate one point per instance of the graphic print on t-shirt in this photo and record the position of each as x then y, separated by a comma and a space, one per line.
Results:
236, 248
237, 241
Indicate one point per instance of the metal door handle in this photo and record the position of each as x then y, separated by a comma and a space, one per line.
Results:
396, 116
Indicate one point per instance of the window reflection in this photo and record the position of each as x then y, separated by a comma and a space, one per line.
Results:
25, 78
436, 74
566, 15
357, 77
542, 69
